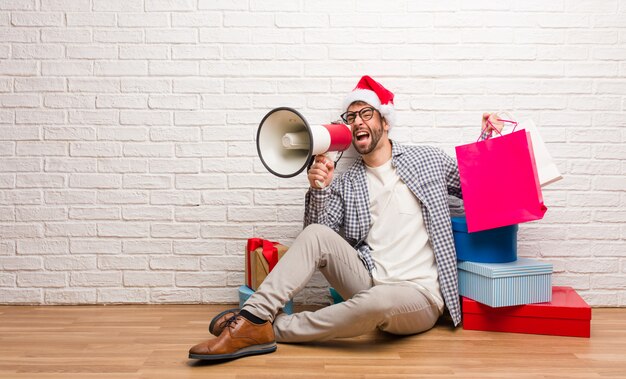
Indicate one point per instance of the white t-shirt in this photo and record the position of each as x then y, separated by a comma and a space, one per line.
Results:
399, 243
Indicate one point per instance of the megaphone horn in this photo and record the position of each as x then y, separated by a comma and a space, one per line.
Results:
286, 142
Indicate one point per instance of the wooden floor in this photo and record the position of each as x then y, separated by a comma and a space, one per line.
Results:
151, 341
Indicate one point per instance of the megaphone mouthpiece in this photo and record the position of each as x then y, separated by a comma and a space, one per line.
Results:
298, 140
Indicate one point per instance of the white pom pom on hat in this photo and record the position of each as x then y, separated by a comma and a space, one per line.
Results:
373, 93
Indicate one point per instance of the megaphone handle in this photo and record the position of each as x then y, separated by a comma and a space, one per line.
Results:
328, 155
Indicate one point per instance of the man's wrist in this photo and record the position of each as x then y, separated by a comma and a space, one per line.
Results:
319, 192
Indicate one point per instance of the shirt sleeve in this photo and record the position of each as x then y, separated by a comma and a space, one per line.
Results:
484, 135
453, 181
324, 206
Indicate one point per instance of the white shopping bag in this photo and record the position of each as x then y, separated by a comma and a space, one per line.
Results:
546, 168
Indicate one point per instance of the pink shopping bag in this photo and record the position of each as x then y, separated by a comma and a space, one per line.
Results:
499, 182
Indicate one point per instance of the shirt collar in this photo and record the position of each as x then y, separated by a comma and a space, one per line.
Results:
358, 167
396, 150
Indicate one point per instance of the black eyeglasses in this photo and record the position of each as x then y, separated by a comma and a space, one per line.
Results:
366, 114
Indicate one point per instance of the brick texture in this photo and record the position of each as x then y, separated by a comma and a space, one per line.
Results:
128, 168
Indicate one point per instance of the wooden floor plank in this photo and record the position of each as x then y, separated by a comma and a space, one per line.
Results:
151, 341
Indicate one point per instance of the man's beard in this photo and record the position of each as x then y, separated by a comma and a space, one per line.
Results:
375, 136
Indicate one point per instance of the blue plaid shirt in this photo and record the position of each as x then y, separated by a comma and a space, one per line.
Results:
430, 174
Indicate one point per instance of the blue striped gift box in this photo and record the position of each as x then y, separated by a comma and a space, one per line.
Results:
524, 281
245, 292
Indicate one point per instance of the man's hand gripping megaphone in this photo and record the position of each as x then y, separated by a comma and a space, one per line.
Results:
322, 167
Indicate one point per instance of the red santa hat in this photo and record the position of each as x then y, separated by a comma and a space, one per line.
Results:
373, 93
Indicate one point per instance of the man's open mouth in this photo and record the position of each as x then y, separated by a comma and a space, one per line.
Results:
361, 135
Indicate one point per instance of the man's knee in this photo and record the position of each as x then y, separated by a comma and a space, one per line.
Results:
316, 230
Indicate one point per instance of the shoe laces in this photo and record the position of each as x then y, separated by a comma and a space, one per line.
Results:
230, 322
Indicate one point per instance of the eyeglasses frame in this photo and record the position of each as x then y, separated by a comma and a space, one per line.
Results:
344, 116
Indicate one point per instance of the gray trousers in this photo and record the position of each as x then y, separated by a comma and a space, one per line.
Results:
398, 309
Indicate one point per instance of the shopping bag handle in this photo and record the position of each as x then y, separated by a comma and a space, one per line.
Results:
489, 123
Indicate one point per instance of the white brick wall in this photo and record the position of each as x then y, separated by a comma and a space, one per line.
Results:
128, 170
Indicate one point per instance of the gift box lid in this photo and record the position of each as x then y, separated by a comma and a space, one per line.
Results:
459, 224
566, 303
520, 267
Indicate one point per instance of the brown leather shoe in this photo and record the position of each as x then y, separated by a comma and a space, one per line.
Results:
239, 338
219, 322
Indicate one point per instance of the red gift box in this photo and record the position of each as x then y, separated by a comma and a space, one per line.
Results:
566, 315
261, 258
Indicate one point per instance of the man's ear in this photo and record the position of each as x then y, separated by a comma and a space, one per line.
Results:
385, 124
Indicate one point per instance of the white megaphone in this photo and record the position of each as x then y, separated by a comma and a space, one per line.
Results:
286, 143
